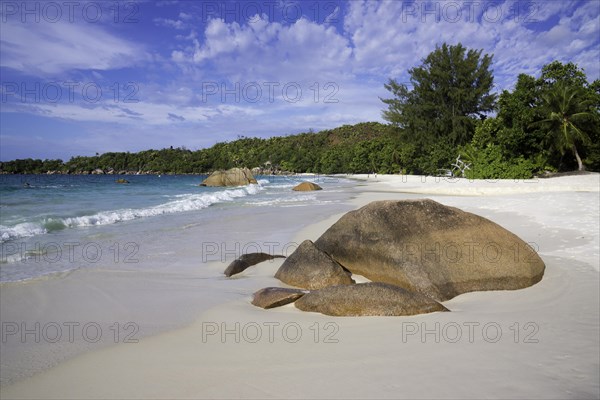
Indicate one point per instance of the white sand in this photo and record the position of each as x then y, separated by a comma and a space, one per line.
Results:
471, 187
539, 342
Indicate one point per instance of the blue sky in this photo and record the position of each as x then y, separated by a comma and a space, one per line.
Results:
83, 77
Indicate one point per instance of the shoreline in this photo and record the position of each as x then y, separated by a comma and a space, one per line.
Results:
166, 288
562, 312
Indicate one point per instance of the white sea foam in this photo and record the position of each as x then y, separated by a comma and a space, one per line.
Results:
190, 202
25, 229
186, 202
280, 200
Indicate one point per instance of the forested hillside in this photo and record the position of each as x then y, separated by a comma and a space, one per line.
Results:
364, 147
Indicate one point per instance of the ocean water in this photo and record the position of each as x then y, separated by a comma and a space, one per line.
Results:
54, 224
148, 255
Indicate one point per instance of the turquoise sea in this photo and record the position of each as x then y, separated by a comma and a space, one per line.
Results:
53, 224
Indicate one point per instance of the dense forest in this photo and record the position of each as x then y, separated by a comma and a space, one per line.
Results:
548, 123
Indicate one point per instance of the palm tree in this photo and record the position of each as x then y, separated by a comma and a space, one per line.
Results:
567, 111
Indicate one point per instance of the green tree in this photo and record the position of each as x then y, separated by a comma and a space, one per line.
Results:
569, 73
568, 114
451, 89
517, 111
489, 159
518, 136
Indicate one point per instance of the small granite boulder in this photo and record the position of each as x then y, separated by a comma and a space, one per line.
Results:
272, 297
307, 187
247, 260
231, 177
367, 299
310, 268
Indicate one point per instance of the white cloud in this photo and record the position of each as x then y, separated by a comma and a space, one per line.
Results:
185, 16
54, 48
153, 114
269, 50
170, 23
390, 37
541, 11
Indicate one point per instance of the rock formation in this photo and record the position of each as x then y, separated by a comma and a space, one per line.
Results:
231, 177
271, 297
426, 247
307, 187
309, 268
247, 260
417, 253
362, 299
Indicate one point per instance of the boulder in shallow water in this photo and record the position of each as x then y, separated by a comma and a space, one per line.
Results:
367, 299
231, 177
307, 187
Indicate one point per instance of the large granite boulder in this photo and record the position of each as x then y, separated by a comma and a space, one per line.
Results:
363, 299
307, 187
231, 177
247, 260
309, 268
424, 246
272, 297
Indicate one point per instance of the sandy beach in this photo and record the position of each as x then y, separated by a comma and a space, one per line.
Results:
541, 342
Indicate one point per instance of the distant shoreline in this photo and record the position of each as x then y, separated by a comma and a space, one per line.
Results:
149, 173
